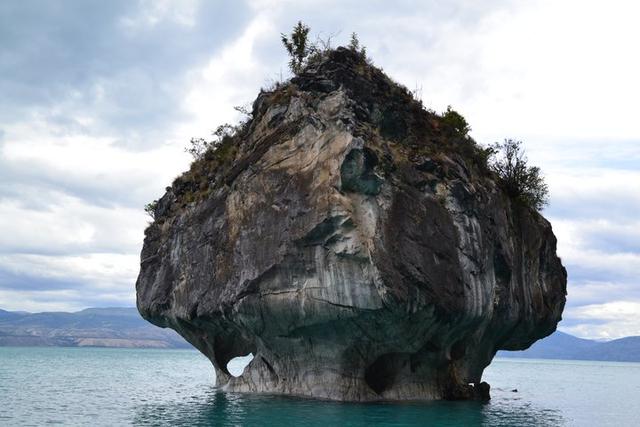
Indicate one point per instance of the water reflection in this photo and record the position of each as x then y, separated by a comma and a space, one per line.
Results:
229, 409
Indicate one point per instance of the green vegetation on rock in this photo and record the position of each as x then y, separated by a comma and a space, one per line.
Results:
520, 181
396, 125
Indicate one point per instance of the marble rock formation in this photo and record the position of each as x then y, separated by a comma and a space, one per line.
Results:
357, 244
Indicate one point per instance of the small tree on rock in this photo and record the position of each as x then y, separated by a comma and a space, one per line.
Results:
298, 46
456, 121
198, 147
354, 45
150, 209
521, 182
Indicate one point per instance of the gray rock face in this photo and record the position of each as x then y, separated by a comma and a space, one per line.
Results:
354, 245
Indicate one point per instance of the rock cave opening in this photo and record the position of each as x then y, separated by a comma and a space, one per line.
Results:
380, 375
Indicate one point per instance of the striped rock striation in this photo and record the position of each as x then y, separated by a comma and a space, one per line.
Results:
357, 244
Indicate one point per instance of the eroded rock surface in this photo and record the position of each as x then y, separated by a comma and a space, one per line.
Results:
356, 244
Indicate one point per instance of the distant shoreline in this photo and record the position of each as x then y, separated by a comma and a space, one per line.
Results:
123, 327
93, 327
101, 348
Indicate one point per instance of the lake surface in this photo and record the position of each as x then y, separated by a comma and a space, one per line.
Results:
91, 386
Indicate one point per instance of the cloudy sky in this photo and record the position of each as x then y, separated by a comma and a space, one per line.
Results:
98, 100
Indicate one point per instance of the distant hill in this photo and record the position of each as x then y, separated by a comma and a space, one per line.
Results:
123, 327
93, 327
564, 346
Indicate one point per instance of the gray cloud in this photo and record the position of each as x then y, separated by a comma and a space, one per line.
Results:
37, 186
108, 60
30, 282
74, 75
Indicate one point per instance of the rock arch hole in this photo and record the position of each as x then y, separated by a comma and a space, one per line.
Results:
381, 374
232, 351
236, 366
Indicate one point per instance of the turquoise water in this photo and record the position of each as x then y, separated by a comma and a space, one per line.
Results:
83, 386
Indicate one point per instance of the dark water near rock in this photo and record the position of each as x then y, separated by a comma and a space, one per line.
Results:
78, 386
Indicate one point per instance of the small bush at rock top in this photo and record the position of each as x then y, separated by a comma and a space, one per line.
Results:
456, 122
521, 182
199, 147
298, 46
403, 119
354, 45
304, 53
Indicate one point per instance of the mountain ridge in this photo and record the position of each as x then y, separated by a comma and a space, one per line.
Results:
561, 345
120, 327
558, 345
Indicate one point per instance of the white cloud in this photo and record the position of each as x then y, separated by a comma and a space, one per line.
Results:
59, 300
75, 204
45, 283
611, 320
41, 300
590, 292
531, 70
69, 226
100, 270
89, 166
231, 78
589, 187
71, 222
151, 12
